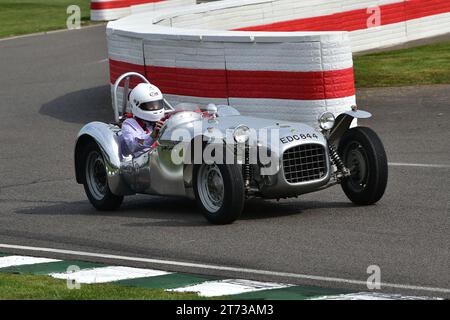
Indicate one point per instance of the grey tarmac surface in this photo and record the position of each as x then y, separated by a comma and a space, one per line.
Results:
50, 85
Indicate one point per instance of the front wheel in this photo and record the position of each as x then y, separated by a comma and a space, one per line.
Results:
96, 180
363, 154
219, 191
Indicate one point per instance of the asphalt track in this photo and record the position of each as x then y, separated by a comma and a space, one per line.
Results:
50, 85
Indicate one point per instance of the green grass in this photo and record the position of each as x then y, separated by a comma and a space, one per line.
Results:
28, 287
19, 17
429, 64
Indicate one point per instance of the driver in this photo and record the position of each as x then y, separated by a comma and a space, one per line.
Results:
139, 132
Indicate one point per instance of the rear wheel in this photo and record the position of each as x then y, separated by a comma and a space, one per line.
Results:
363, 154
219, 191
96, 180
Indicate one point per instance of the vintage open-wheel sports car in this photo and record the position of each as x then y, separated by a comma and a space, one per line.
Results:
221, 158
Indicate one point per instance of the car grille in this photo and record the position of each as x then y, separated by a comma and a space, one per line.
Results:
304, 163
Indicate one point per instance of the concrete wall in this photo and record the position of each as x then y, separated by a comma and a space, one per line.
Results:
264, 70
399, 21
106, 10
371, 23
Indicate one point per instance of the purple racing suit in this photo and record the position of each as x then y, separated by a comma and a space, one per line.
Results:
135, 138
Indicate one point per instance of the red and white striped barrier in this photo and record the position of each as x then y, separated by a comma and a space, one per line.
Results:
372, 24
106, 10
290, 75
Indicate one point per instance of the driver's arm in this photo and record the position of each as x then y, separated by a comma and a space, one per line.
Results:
157, 128
135, 139
159, 124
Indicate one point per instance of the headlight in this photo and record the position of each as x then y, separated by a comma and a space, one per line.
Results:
241, 134
326, 120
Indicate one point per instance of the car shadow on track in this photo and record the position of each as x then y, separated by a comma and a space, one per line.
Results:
178, 211
269, 209
173, 212
83, 106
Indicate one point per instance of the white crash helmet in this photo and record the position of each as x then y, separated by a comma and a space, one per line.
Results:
147, 102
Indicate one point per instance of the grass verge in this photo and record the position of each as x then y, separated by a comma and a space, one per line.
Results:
28, 287
429, 64
18, 17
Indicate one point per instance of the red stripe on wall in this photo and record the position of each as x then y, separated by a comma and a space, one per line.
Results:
244, 84
116, 4
291, 85
189, 82
358, 19
118, 68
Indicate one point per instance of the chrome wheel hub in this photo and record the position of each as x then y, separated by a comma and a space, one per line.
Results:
356, 161
96, 175
210, 185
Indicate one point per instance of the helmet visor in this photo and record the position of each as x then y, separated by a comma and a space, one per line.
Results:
152, 105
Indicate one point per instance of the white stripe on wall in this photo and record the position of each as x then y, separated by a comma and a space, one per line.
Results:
229, 287
11, 261
108, 274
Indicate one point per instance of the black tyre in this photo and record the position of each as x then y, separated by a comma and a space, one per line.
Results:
219, 192
95, 180
363, 153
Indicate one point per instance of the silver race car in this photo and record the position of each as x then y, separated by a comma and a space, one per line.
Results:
221, 158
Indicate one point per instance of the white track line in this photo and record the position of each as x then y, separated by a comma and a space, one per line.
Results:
11, 261
419, 165
229, 287
223, 268
44, 33
97, 62
108, 274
